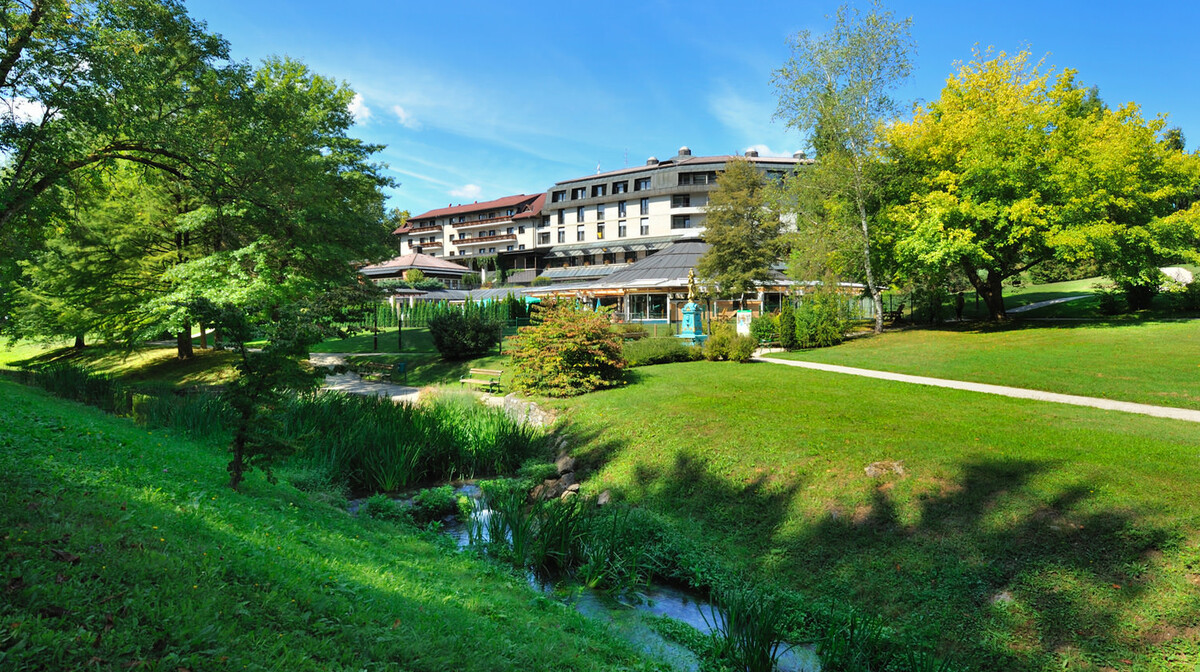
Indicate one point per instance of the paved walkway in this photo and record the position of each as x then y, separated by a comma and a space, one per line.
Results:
352, 383
1043, 304
1017, 392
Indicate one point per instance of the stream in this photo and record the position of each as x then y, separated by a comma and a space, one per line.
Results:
624, 612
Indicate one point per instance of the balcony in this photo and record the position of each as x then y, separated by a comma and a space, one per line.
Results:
425, 228
432, 243
480, 240
481, 222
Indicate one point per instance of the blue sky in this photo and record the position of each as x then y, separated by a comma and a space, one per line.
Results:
481, 100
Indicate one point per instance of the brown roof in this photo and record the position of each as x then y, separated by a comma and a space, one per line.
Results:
414, 260
535, 208
505, 202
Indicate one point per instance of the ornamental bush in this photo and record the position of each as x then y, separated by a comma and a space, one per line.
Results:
726, 343
649, 351
465, 334
787, 325
566, 351
821, 320
765, 328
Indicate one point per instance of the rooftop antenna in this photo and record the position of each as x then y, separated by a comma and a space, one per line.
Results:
597, 167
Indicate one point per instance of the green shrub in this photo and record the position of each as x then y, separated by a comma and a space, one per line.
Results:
567, 351
433, 504
787, 325
1186, 298
765, 328
632, 331
1059, 270
658, 351
459, 335
381, 507
726, 344
541, 281
821, 320
742, 348
1110, 300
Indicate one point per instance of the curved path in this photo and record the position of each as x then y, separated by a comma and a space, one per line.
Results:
1186, 414
352, 383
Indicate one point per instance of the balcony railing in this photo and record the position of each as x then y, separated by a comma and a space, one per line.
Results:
484, 239
481, 222
425, 228
432, 243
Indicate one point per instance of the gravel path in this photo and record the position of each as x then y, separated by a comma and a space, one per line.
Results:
1043, 304
1017, 392
352, 383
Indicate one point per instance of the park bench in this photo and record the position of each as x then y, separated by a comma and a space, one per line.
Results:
488, 379
894, 315
397, 371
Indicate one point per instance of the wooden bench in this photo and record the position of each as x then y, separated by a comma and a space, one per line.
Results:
488, 379
894, 315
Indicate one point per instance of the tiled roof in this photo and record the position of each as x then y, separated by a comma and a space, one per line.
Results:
535, 208
507, 201
417, 260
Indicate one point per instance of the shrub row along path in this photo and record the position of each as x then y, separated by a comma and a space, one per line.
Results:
1017, 392
352, 383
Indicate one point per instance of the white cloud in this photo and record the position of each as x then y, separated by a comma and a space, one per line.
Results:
471, 191
764, 150
24, 110
359, 109
405, 117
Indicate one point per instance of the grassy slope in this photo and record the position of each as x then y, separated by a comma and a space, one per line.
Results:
1147, 362
150, 365
134, 534
1085, 517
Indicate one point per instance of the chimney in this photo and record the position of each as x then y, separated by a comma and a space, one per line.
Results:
751, 152
800, 155
652, 161
684, 151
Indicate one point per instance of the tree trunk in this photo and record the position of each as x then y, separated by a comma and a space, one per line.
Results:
79, 341
183, 342
991, 290
203, 338
876, 292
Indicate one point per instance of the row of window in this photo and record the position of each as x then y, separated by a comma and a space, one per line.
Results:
581, 232
490, 250
466, 236
622, 211
601, 190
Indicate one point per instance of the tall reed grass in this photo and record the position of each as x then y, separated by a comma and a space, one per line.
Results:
376, 445
747, 627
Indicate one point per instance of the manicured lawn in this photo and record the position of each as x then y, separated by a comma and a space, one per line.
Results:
123, 548
1143, 361
149, 365
1021, 535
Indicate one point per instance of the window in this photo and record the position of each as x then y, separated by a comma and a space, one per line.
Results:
641, 184
579, 214
681, 222
621, 187
492, 232
578, 193
545, 221
610, 257
645, 207
599, 232
544, 238
579, 233
479, 216
644, 229
519, 247
560, 216
621, 230
508, 249
491, 249
558, 196
452, 236
520, 229
599, 190
562, 235
509, 213
452, 253
599, 212
697, 178
620, 208
630, 257
681, 201
509, 230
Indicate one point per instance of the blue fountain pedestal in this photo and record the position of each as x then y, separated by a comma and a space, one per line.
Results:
691, 329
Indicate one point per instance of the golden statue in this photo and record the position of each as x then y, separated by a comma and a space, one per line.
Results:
692, 285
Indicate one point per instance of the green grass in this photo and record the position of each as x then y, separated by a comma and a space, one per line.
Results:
123, 548
1086, 518
148, 365
1147, 362
430, 369
416, 339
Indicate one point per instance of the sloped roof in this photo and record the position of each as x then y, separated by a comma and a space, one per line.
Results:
672, 263
507, 201
415, 260
535, 208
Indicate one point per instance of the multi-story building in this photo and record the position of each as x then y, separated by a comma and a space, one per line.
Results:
473, 230
587, 227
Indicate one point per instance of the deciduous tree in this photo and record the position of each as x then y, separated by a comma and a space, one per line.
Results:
836, 88
742, 234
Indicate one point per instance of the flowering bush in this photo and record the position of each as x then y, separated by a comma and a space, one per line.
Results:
567, 351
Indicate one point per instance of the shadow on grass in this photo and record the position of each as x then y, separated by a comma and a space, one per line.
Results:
994, 572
